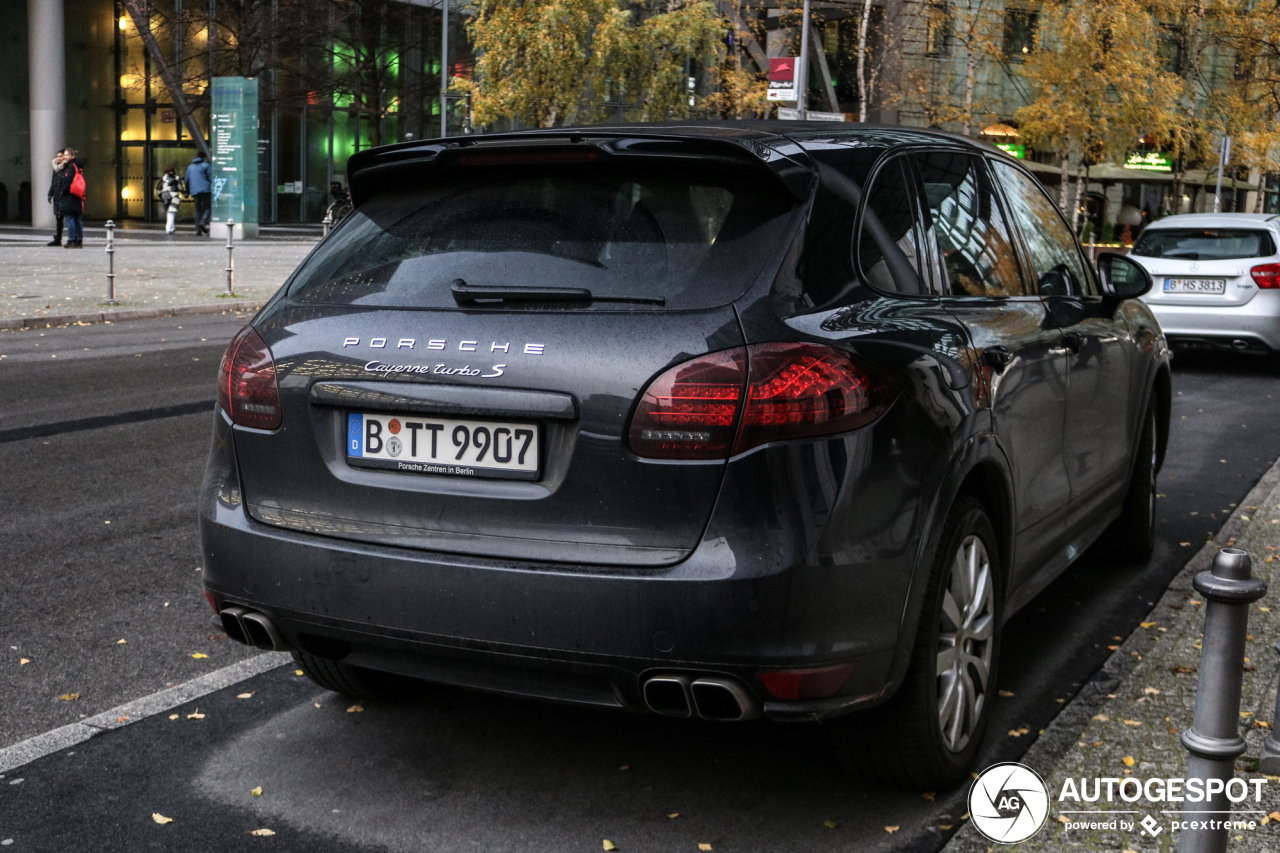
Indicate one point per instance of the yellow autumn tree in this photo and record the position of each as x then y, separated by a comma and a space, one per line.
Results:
556, 62
1097, 83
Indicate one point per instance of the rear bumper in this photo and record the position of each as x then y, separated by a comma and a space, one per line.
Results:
1256, 323
585, 634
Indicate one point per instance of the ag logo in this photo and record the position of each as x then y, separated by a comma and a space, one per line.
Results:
1008, 803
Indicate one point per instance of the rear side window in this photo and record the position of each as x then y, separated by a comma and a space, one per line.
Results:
889, 243
1204, 244
694, 237
974, 245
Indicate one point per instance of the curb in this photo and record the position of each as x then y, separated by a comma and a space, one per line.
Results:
1051, 747
9, 324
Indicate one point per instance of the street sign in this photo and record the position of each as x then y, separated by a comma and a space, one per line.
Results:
234, 120
782, 78
788, 114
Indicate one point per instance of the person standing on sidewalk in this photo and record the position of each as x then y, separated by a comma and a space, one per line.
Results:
200, 187
53, 197
170, 196
69, 194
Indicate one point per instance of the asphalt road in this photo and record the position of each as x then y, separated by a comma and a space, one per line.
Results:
450, 770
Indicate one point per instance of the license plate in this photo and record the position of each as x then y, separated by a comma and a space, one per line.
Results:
451, 447
1195, 285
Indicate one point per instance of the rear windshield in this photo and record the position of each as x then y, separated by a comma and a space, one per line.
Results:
1204, 244
682, 237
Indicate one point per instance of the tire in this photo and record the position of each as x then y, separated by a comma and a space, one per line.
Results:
915, 741
356, 681
1131, 538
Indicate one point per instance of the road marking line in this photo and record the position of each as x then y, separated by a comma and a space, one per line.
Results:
38, 746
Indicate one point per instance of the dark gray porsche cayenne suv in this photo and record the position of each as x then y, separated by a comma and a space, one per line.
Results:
726, 421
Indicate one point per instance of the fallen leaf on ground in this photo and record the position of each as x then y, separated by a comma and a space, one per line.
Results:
173, 716
23, 661
1062, 819
159, 818
257, 792
355, 709
1128, 760
608, 845
829, 824
1262, 724
625, 767
1113, 648
263, 832
929, 795
1182, 670
944, 826
1246, 713
1006, 693
674, 815
892, 829
1147, 624
1274, 816
122, 641
1132, 722
1102, 717
297, 672
317, 704
1266, 609
199, 656
1019, 731
69, 697
243, 695
195, 715
121, 719
704, 846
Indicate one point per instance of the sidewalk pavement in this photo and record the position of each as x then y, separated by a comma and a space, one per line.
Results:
1127, 720
51, 285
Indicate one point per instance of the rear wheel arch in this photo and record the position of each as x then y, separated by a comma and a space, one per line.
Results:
1162, 399
987, 484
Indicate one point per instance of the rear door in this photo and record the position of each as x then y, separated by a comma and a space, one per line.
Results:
523, 307
1018, 344
1100, 424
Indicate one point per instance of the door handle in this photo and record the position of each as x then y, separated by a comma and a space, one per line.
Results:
997, 357
1074, 341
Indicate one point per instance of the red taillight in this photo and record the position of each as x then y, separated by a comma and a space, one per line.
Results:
690, 411
816, 683
793, 390
213, 602
1266, 276
247, 382
799, 390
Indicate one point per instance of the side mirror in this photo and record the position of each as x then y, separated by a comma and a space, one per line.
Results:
1122, 277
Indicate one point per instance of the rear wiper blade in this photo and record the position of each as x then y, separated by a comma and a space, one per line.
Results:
1187, 255
465, 294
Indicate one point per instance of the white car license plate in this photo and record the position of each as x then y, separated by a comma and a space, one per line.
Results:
420, 444
1195, 285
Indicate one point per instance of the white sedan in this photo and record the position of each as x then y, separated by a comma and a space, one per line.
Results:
1216, 278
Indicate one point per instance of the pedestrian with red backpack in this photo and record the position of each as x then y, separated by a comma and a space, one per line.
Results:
69, 193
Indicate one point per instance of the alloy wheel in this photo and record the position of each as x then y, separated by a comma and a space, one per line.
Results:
965, 632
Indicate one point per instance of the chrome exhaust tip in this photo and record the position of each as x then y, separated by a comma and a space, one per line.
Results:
669, 695
723, 699
262, 633
232, 626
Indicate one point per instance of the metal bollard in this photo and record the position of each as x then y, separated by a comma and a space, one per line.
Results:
1214, 737
111, 263
231, 264
1270, 761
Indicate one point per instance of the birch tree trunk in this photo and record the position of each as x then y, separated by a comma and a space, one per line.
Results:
1064, 186
1079, 197
864, 89
969, 71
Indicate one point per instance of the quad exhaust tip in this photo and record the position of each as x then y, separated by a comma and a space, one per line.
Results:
710, 697
252, 629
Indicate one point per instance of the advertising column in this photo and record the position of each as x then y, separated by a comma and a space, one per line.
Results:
234, 120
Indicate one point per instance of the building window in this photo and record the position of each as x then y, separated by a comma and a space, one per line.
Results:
1172, 48
937, 37
1020, 34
